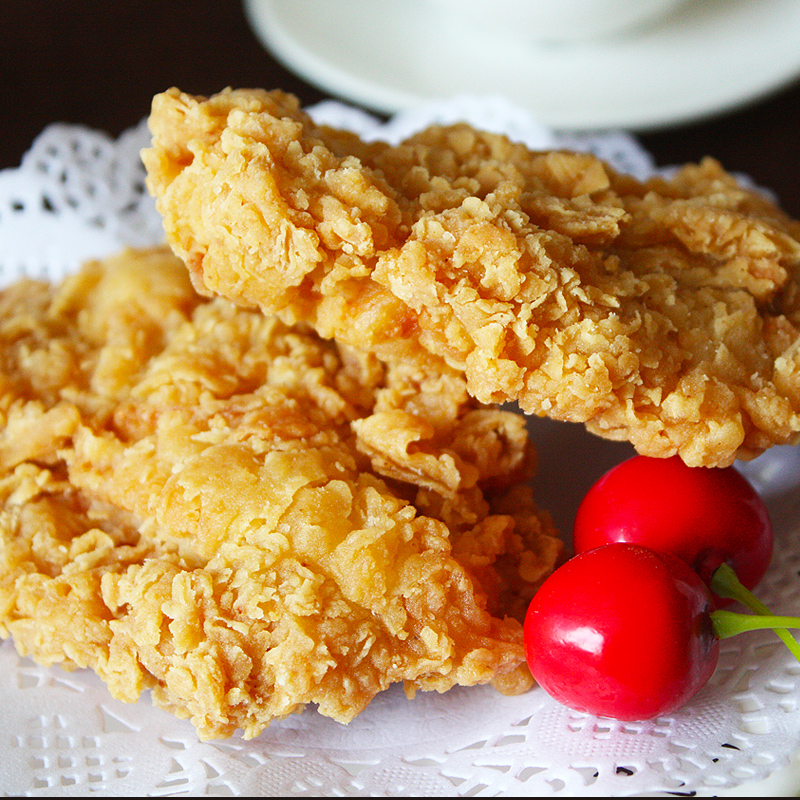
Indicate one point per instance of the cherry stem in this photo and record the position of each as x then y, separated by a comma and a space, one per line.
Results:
725, 584
729, 623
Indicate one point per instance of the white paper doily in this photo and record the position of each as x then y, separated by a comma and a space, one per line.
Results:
79, 194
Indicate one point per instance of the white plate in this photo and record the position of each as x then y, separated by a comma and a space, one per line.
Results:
707, 57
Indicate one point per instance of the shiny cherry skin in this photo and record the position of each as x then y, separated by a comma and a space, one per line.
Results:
622, 631
705, 516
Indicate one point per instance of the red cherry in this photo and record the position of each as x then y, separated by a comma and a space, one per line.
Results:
622, 631
705, 516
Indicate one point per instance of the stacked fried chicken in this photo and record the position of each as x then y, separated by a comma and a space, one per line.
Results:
279, 477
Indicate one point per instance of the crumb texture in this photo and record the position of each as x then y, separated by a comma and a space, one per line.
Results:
665, 312
244, 518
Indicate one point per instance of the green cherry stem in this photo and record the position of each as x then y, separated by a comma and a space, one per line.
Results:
725, 584
729, 623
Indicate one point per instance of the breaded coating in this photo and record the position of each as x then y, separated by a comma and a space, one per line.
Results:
665, 312
246, 519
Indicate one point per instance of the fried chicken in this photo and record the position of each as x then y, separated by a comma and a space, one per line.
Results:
663, 312
244, 518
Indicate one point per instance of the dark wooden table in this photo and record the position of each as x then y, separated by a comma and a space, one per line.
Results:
99, 63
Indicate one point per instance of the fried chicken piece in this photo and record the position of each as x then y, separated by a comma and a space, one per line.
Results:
243, 518
663, 312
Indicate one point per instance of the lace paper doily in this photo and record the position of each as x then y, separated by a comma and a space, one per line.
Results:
80, 194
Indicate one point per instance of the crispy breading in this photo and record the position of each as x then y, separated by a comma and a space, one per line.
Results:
664, 312
243, 518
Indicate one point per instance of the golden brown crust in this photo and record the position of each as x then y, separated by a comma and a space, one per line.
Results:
663, 312
243, 518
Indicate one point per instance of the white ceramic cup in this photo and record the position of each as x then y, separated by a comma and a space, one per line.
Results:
553, 20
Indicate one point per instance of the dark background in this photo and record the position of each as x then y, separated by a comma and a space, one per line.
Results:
100, 63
